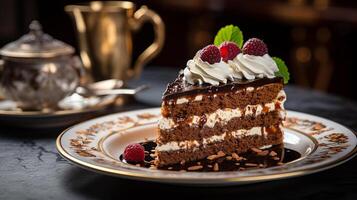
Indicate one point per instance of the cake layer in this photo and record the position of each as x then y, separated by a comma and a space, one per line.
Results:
191, 144
187, 132
224, 115
229, 143
183, 107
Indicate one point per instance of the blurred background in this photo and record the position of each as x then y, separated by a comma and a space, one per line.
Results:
316, 38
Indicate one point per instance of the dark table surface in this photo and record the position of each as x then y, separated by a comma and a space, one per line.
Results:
31, 168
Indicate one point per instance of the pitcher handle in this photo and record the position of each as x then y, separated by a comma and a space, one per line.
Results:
141, 16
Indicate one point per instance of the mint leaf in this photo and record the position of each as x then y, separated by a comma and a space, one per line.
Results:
283, 69
229, 33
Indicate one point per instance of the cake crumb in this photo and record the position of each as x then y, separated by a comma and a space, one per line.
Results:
211, 157
221, 154
196, 167
215, 167
215, 156
256, 150
236, 157
263, 153
273, 153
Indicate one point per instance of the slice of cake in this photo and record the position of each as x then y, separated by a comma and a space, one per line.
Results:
225, 100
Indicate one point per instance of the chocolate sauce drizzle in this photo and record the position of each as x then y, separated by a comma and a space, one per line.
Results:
249, 160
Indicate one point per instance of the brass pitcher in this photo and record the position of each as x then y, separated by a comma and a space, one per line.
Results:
105, 41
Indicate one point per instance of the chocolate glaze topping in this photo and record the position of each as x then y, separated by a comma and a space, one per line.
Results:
180, 87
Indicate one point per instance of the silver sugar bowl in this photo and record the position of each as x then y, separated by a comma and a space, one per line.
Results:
38, 70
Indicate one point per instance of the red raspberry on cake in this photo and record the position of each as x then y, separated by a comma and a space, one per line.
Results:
134, 153
255, 47
229, 50
210, 54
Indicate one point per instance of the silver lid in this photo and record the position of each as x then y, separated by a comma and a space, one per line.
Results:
36, 44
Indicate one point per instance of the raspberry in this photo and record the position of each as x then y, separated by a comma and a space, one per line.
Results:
134, 153
229, 50
255, 47
210, 54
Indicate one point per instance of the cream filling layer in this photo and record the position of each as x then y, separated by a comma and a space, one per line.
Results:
194, 144
186, 100
223, 116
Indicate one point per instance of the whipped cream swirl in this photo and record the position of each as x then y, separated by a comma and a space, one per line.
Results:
242, 66
199, 71
251, 67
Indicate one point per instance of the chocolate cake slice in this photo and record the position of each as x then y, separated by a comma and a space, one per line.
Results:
204, 113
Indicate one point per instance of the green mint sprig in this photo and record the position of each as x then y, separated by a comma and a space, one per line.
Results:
229, 33
283, 69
